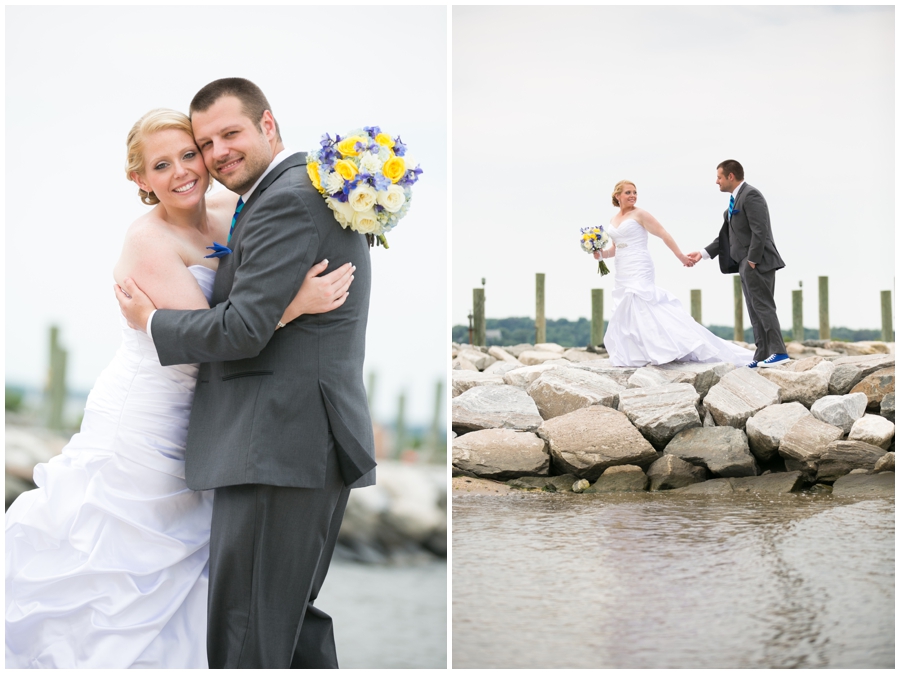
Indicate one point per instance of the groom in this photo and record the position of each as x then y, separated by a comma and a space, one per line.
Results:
280, 426
748, 235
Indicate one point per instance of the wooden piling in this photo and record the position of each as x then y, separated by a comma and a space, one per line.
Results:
478, 311
596, 316
797, 302
738, 310
696, 310
824, 322
400, 427
887, 321
56, 381
540, 320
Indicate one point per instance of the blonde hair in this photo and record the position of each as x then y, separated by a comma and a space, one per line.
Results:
617, 190
159, 119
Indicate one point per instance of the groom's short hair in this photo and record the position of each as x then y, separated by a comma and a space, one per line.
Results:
732, 166
253, 100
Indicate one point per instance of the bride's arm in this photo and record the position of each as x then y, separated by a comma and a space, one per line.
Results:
652, 225
606, 252
150, 258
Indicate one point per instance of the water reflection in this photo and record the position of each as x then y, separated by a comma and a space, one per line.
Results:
658, 580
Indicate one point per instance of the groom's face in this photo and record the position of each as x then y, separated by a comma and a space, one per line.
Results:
236, 151
726, 183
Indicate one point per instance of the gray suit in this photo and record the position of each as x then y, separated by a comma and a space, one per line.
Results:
750, 239
280, 424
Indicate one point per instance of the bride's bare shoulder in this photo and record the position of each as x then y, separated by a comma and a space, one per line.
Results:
146, 239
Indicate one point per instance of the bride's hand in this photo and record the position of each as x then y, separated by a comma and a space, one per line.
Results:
597, 255
320, 294
686, 261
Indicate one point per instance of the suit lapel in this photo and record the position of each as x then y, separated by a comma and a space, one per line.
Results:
296, 159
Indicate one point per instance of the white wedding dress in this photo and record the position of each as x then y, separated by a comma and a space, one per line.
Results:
649, 325
107, 561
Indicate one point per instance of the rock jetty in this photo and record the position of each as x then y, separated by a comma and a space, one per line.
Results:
541, 416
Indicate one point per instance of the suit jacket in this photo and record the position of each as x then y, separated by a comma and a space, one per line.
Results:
266, 402
749, 232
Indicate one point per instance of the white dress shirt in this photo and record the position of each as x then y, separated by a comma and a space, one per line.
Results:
280, 157
703, 252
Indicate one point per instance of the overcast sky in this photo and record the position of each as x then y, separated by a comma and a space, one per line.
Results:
77, 78
552, 106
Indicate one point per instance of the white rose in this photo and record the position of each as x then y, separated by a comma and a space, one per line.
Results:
411, 162
362, 198
365, 222
392, 199
343, 212
370, 162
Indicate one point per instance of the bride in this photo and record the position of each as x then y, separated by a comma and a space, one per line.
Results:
107, 561
648, 325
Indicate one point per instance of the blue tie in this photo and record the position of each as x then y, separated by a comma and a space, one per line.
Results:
730, 208
240, 205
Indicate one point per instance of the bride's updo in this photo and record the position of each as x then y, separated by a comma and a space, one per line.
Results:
617, 190
155, 120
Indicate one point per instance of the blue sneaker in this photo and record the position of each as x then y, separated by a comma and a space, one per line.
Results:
753, 364
775, 359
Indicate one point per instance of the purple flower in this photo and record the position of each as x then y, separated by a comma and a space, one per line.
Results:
399, 147
381, 182
372, 130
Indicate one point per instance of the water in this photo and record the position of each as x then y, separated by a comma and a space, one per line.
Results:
388, 616
663, 580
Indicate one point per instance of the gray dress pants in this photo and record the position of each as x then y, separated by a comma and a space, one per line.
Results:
270, 548
759, 295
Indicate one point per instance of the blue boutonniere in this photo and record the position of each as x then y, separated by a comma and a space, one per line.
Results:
734, 212
218, 250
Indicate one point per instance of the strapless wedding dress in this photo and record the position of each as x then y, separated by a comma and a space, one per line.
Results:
648, 325
107, 561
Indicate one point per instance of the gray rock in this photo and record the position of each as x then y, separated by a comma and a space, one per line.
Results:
619, 478
850, 370
524, 376
876, 386
518, 349
501, 367
620, 375
580, 486
563, 390
805, 386
771, 483
802, 446
647, 377
660, 412
463, 380
843, 456
739, 395
495, 407
840, 410
887, 407
766, 429
702, 376
477, 358
715, 487
722, 450
555, 483
501, 454
874, 429
552, 347
879, 484
463, 364
885, 463
538, 357
670, 472
582, 356
502, 354
588, 441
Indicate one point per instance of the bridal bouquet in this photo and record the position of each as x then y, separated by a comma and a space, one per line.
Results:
593, 239
366, 178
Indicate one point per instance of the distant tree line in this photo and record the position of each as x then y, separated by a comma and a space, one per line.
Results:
520, 330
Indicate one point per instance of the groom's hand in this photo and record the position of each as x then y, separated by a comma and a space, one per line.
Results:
695, 257
135, 305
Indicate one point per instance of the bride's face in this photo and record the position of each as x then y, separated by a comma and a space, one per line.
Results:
174, 169
628, 196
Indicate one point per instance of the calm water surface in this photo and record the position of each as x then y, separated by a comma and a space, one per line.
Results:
662, 580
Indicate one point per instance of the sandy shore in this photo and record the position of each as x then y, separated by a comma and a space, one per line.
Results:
474, 485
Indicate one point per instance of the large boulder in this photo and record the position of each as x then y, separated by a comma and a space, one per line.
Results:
702, 376
588, 441
874, 429
538, 357
660, 412
524, 376
670, 472
495, 407
501, 367
885, 463
553, 483
850, 370
876, 386
877, 484
551, 347
771, 483
717, 487
502, 354
463, 380
619, 478
739, 395
722, 450
563, 390
620, 375
501, 454
582, 356
805, 387
463, 364
842, 456
479, 359
518, 349
887, 407
840, 410
766, 429
802, 446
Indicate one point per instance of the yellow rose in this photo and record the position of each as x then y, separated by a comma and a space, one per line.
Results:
586, 237
346, 169
394, 168
312, 169
347, 147
384, 140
